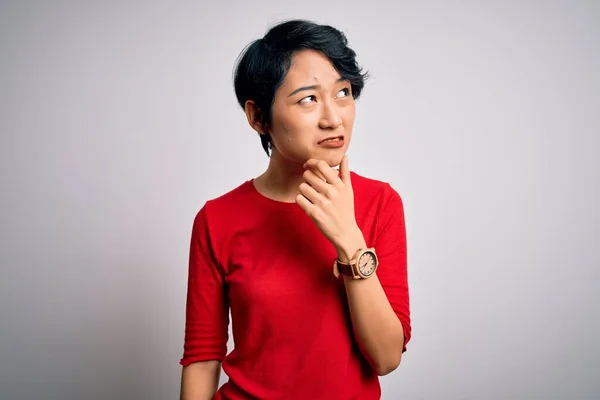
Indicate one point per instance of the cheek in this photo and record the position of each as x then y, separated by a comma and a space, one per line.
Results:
288, 132
294, 126
349, 114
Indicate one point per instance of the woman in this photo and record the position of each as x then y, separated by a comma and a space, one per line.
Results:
265, 250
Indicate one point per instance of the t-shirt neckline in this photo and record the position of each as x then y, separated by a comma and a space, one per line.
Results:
268, 200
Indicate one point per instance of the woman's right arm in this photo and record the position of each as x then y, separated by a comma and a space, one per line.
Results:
200, 380
207, 316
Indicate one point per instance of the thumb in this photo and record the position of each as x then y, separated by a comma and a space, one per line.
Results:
344, 171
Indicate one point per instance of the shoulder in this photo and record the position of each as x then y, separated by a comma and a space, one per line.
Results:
370, 190
362, 181
227, 206
233, 198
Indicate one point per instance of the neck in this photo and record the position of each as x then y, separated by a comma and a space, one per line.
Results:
281, 179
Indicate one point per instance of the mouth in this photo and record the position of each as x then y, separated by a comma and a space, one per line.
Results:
332, 140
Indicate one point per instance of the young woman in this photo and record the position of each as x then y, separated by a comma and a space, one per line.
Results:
310, 260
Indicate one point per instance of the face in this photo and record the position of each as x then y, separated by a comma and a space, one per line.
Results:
313, 103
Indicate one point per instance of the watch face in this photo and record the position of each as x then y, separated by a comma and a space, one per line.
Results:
367, 263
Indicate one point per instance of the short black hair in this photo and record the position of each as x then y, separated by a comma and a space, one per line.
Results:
264, 63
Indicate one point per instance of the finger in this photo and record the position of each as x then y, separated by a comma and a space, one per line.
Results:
316, 182
311, 164
320, 175
304, 204
345, 171
310, 193
329, 175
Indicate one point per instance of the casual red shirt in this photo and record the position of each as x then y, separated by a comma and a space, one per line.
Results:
268, 263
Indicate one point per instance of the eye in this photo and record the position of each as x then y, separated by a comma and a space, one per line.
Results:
345, 91
307, 99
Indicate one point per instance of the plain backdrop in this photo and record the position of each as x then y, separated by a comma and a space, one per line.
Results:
118, 121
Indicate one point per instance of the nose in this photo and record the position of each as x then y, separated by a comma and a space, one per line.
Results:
330, 117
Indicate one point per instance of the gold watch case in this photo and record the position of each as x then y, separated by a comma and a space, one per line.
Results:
363, 265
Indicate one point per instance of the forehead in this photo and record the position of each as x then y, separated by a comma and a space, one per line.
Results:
310, 67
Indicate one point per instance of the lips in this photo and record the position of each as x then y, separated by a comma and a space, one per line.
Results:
340, 137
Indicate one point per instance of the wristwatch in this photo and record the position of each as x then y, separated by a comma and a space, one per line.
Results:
362, 265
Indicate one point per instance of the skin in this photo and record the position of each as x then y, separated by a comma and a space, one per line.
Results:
301, 120
200, 380
300, 171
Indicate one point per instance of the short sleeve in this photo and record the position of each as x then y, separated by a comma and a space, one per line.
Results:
390, 245
207, 311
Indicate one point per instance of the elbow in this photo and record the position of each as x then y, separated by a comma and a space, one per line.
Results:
391, 359
383, 369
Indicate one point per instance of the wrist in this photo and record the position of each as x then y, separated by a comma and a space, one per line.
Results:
348, 247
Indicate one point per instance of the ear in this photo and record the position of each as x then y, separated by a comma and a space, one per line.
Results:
254, 116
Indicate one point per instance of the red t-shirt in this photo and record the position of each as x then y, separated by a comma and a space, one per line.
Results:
268, 263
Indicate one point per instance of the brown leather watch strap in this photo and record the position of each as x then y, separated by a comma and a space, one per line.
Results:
344, 269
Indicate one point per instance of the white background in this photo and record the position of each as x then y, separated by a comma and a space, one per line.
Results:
118, 121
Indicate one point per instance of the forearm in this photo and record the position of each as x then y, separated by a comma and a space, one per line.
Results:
376, 327
200, 380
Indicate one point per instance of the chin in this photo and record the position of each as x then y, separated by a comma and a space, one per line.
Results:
334, 158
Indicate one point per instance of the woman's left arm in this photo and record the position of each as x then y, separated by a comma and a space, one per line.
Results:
379, 305
376, 326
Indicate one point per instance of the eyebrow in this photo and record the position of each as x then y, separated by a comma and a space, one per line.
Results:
313, 87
